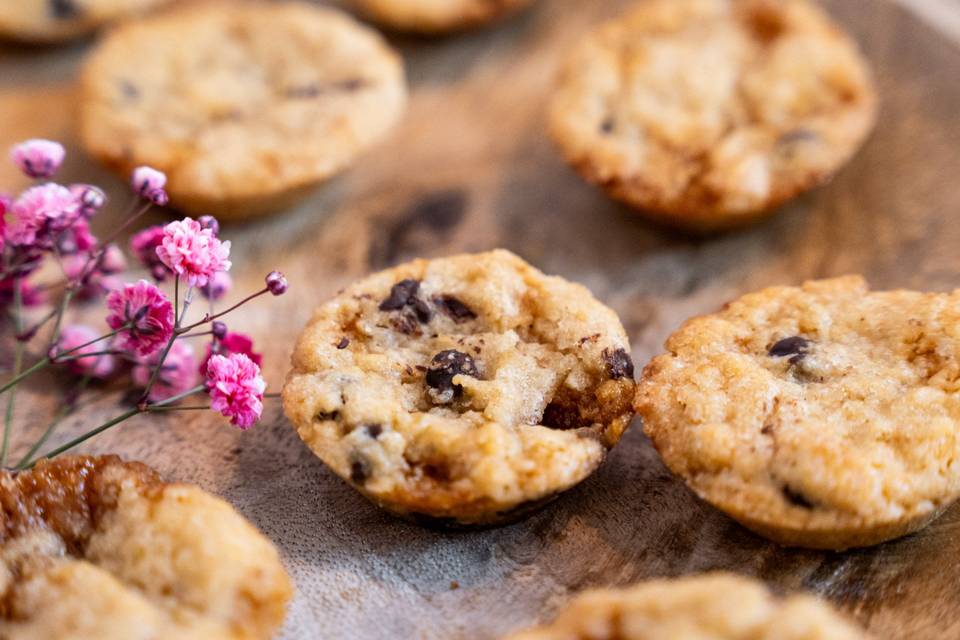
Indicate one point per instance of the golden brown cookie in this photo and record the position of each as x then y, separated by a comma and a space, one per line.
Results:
245, 106
706, 114
93, 548
437, 16
714, 606
821, 416
463, 390
48, 21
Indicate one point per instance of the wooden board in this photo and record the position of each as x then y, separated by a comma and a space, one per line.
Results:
470, 168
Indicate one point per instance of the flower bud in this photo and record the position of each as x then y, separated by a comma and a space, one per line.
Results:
276, 283
38, 158
219, 329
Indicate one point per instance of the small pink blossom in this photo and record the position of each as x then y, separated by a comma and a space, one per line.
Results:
177, 375
76, 238
144, 245
148, 183
40, 212
91, 198
219, 285
232, 343
149, 314
38, 158
100, 367
192, 252
236, 388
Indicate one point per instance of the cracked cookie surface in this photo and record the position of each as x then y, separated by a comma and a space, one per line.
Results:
93, 548
437, 16
45, 21
707, 113
715, 606
824, 415
466, 388
245, 106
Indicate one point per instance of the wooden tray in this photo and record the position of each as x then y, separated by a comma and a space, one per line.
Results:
470, 169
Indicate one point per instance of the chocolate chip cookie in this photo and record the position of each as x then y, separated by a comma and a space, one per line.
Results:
48, 21
716, 606
96, 548
437, 16
245, 106
822, 416
463, 390
706, 114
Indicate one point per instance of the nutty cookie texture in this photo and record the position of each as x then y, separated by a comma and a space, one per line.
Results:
716, 606
705, 114
434, 17
463, 390
49, 21
93, 548
245, 106
823, 416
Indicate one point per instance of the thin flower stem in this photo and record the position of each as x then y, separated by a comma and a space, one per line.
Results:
38, 325
42, 364
156, 409
67, 297
130, 220
209, 318
176, 300
272, 395
17, 364
196, 335
92, 354
66, 410
140, 408
166, 350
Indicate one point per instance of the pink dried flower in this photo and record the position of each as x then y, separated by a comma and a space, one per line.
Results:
209, 222
219, 285
177, 375
91, 198
192, 252
232, 343
39, 212
76, 238
144, 246
71, 337
147, 180
236, 388
4, 207
276, 283
147, 313
38, 158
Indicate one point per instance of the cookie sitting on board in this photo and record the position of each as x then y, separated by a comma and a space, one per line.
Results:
49, 21
437, 16
820, 416
706, 114
96, 548
716, 606
245, 106
464, 390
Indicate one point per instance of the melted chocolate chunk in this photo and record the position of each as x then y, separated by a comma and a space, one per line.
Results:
445, 366
374, 430
360, 470
421, 309
454, 308
561, 416
795, 346
344, 343
619, 364
400, 295
796, 498
327, 415
607, 125
404, 295
63, 9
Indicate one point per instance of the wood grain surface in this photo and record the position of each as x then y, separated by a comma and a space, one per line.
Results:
470, 168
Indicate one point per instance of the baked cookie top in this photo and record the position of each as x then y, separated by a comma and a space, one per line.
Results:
56, 20
822, 415
706, 112
437, 16
240, 102
715, 606
462, 387
96, 548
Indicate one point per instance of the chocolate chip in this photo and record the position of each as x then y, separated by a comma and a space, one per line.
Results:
302, 92
795, 346
797, 135
454, 308
344, 343
129, 90
400, 295
327, 415
421, 309
561, 416
607, 125
619, 364
444, 367
63, 9
374, 430
360, 469
796, 498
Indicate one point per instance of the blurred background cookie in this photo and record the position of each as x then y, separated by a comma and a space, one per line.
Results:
706, 114
715, 606
437, 16
47, 21
245, 106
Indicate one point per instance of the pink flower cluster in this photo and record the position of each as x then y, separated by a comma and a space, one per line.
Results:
192, 252
142, 316
236, 388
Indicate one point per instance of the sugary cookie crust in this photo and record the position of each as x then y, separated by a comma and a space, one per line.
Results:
715, 606
428, 386
822, 416
246, 106
708, 113
437, 16
93, 548
47, 21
